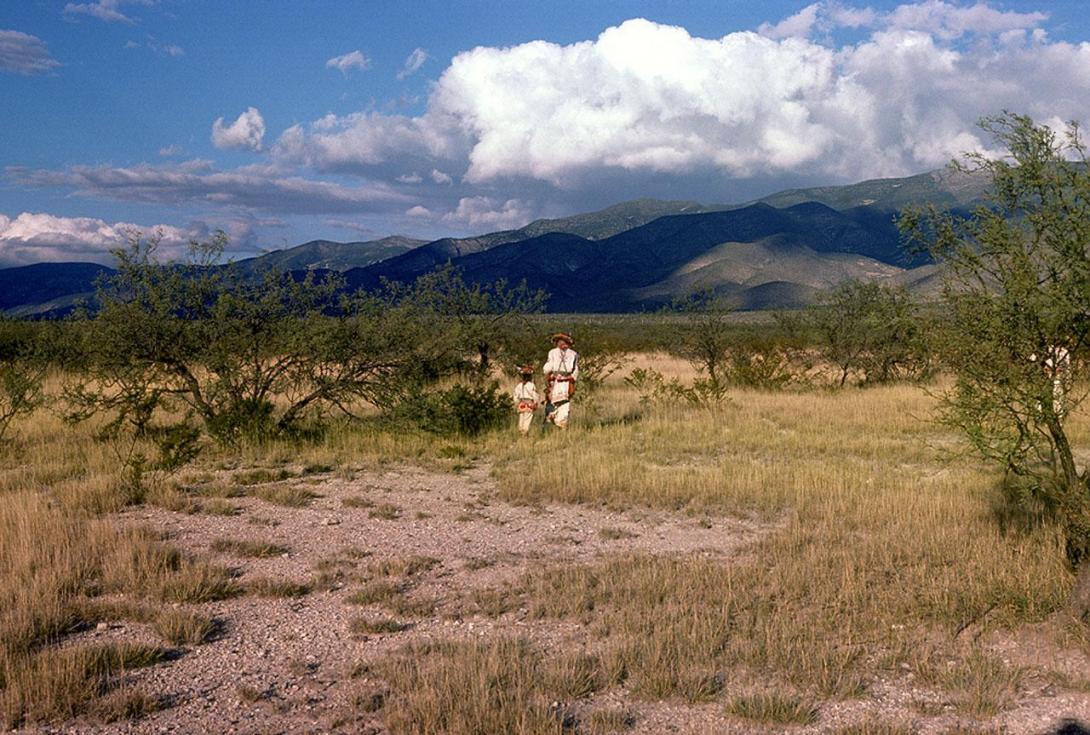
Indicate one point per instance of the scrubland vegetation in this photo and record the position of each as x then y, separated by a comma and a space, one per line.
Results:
917, 495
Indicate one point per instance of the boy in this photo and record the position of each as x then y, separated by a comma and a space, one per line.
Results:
526, 398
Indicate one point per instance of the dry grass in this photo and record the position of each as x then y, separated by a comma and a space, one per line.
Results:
290, 496
772, 708
491, 688
375, 626
376, 592
250, 549
62, 684
269, 587
174, 625
880, 546
385, 511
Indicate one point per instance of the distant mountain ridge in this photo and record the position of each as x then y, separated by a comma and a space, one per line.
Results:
676, 254
778, 251
330, 255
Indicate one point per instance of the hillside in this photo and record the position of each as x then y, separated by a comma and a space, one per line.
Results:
943, 188
778, 251
805, 247
47, 287
329, 255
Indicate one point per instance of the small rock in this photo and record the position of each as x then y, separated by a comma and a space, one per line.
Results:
332, 521
102, 626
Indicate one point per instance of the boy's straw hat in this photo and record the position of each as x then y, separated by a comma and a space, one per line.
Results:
526, 369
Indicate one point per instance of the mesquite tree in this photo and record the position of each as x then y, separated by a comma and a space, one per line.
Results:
1017, 295
871, 330
241, 356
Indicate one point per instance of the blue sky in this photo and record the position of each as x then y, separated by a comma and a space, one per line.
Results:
284, 121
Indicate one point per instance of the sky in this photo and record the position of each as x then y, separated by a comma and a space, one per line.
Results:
290, 120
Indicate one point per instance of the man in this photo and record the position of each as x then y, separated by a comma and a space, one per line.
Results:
561, 371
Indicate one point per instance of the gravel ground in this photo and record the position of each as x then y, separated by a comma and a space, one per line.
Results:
282, 665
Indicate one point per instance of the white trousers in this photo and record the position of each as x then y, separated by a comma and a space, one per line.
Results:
525, 419
560, 415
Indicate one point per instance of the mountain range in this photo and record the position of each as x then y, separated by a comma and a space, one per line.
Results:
778, 252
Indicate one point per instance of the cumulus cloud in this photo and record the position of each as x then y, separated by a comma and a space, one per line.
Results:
413, 178
347, 62
263, 188
441, 177
33, 237
246, 132
653, 99
799, 24
413, 63
949, 21
107, 10
486, 212
418, 211
23, 53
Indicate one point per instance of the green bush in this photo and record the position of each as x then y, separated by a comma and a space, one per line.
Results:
468, 410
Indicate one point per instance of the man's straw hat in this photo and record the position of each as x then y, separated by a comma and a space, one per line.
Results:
562, 336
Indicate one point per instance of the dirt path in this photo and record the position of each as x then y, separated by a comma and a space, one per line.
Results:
293, 656
283, 665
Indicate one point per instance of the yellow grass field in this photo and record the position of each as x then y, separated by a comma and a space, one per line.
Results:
886, 586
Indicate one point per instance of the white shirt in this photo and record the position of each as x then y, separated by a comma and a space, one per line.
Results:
526, 392
562, 361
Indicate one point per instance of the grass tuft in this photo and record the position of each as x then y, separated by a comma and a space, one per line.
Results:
773, 708
251, 549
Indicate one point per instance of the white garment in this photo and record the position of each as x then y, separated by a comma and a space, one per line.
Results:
525, 393
1057, 365
562, 361
560, 415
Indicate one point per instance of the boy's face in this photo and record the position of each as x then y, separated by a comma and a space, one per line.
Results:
562, 344
527, 377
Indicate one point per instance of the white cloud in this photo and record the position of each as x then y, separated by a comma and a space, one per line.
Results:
486, 212
413, 178
107, 10
170, 150
413, 63
34, 237
264, 188
23, 53
947, 20
441, 177
418, 211
651, 98
347, 62
246, 132
358, 228
799, 24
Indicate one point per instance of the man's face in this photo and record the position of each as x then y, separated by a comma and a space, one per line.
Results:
562, 344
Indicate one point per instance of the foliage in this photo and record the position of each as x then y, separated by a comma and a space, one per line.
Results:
1017, 293
653, 387
482, 316
765, 364
871, 330
245, 357
466, 410
704, 336
22, 370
